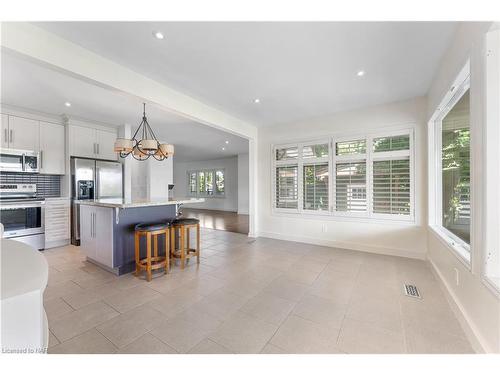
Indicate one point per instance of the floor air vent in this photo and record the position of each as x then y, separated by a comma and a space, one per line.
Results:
411, 291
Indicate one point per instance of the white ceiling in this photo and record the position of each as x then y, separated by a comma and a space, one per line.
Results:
298, 70
26, 84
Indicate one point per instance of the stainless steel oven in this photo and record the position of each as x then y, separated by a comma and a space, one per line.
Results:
22, 214
19, 161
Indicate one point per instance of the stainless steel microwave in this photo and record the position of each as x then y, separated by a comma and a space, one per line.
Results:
19, 161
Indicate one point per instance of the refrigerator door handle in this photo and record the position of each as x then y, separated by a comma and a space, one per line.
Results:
97, 182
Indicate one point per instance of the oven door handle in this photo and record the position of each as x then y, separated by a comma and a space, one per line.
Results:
25, 205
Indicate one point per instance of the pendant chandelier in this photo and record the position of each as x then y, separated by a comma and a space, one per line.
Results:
145, 147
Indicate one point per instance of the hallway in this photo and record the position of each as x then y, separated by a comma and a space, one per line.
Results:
220, 220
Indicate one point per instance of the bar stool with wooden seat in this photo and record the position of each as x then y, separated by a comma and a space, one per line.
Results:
185, 252
152, 262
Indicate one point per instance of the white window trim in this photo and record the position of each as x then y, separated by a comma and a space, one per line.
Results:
201, 195
456, 245
367, 216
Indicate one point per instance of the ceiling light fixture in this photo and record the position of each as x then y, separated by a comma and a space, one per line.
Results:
361, 73
158, 35
257, 101
227, 142
67, 104
146, 147
223, 148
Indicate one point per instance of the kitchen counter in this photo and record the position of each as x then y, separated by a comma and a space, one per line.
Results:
123, 203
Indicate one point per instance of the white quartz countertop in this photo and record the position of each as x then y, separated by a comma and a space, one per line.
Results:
24, 269
123, 203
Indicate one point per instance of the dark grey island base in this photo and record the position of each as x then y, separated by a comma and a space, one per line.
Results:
107, 229
123, 233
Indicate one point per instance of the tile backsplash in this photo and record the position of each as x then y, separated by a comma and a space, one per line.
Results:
46, 185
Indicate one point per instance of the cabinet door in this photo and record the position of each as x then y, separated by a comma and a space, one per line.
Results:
104, 235
4, 136
23, 133
52, 155
87, 232
105, 145
82, 141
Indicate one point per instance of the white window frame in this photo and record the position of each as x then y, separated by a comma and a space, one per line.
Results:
204, 195
458, 247
332, 162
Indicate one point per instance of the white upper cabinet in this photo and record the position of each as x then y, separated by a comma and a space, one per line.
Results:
92, 143
5, 131
106, 145
52, 155
22, 133
82, 141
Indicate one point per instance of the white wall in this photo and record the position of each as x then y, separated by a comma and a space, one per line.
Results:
227, 203
477, 305
243, 180
150, 178
408, 239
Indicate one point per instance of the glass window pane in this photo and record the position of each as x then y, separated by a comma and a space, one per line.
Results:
351, 147
396, 143
315, 151
391, 187
219, 182
287, 187
209, 182
350, 187
201, 182
455, 136
316, 187
192, 183
287, 153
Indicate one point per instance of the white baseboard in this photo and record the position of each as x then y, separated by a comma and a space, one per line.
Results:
346, 245
477, 341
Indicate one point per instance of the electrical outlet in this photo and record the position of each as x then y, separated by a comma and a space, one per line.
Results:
324, 228
457, 278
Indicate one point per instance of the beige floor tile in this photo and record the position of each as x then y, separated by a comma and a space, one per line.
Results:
272, 349
147, 344
364, 338
378, 312
129, 326
286, 288
302, 274
207, 346
297, 335
242, 333
90, 342
268, 307
182, 333
52, 340
204, 285
79, 299
61, 289
345, 267
56, 307
338, 290
76, 322
428, 342
127, 299
170, 304
220, 304
321, 310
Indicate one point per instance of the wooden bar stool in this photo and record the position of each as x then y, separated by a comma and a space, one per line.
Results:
185, 252
152, 262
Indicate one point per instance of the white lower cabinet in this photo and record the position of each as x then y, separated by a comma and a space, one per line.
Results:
57, 222
96, 234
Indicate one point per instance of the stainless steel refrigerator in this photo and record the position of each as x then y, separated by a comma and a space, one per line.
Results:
92, 179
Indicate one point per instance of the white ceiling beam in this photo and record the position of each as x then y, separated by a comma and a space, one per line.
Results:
60, 54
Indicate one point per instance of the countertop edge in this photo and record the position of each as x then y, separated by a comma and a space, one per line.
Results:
139, 204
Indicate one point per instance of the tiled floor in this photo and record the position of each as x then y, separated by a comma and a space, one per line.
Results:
262, 296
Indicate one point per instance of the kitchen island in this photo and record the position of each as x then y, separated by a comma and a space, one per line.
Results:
107, 228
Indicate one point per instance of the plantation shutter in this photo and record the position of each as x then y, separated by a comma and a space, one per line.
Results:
350, 187
287, 189
391, 187
315, 187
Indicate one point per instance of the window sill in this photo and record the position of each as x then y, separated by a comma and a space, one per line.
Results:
327, 215
456, 249
492, 286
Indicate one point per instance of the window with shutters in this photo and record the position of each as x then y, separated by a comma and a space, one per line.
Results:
206, 183
367, 176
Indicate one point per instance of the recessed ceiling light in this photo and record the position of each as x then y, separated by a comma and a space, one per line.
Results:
67, 104
223, 148
361, 73
227, 142
257, 101
158, 35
